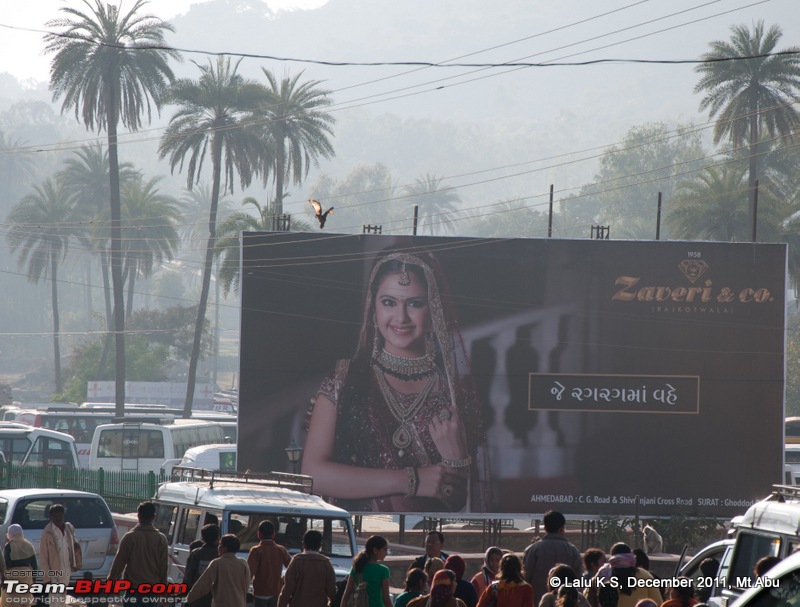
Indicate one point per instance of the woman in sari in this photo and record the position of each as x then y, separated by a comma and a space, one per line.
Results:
20, 557
398, 427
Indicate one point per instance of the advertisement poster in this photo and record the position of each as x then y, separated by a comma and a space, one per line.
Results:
492, 376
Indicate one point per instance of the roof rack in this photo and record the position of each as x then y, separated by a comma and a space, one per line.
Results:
783, 492
295, 482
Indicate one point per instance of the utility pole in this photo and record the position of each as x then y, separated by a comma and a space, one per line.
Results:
658, 218
550, 220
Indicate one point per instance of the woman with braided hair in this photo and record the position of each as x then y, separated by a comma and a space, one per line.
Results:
398, 427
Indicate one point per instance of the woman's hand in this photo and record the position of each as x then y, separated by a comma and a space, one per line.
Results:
443, 483
449, 435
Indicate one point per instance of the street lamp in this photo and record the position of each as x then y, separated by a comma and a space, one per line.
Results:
294, 452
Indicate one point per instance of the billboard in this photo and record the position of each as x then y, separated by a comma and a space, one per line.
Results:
493, 376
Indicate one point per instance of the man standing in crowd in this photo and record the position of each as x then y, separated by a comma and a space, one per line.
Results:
57, 550
143, 553
199, 560
309, 580
227, 577
551, 549
266, 561
434, 542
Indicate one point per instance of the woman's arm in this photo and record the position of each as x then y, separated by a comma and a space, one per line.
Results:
343, 481
387, 601
348, 589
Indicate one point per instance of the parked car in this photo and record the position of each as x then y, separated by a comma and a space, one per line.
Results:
710, 587
95, 530
779, 587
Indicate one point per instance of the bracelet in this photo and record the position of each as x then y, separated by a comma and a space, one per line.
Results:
413, 481
457, 463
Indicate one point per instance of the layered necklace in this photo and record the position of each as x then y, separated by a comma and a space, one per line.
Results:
404, 368
402, 437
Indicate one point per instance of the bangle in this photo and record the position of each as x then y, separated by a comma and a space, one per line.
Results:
413, 481
457, 463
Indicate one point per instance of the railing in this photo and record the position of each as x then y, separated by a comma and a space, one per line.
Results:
123, 491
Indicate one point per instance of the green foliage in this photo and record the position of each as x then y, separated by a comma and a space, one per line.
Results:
610, 530
681, 530
793, 365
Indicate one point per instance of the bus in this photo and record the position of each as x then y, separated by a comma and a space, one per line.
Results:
28, 446
80, 425
148, 447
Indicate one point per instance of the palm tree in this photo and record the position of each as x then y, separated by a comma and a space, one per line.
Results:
751, 95
216, 116
434, 202
110, 67
298, 127
150, 234
41, 226
228, 239
17, 165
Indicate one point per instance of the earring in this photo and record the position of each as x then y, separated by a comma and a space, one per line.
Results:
430, 346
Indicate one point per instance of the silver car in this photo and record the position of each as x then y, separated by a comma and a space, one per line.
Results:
95, 530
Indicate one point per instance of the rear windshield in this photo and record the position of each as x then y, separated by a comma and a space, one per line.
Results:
82, 512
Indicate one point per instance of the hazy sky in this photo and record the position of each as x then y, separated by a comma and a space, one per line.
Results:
21, 51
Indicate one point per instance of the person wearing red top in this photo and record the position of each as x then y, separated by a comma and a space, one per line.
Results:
510, 589
266, 561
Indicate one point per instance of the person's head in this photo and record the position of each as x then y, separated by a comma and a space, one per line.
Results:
709, 567
210, 533
312, 540
146, 512
434, 543
620, 548
416, 580
443, 585
764, 564
15, 533
642, 560
432, 565
566, 596
646, 603
456, 564
374, 550
491, 559
510, 568
229, 543
593, 559
561, 572
266, 530
683, 590
554, 522
57, 514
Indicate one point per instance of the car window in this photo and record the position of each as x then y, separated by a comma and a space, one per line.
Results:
190, 523
3, 510
784, 592
165, 519
82, 512
49, 451
749, 548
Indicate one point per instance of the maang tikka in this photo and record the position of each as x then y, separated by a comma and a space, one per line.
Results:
404, 279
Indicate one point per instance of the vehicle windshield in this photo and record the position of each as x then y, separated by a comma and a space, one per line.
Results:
289, 531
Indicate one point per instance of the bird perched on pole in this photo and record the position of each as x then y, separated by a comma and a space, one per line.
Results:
322, 217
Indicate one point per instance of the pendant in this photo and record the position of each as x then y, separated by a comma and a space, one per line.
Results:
401, 437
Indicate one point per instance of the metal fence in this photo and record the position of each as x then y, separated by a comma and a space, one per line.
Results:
123, 491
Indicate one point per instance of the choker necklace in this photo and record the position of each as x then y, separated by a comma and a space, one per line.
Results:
402, 437
405, 369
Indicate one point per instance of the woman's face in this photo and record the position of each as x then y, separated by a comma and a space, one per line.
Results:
494, 561
402, 314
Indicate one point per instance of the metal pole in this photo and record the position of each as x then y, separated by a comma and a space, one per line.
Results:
658, 218
755, 209
550, 220
416, 216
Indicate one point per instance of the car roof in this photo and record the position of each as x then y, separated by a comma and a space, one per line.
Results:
18, 493
213, 447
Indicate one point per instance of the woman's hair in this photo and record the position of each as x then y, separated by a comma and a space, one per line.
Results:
642, 560
623, 566
375, 542
567, 597
433, 565
620, 548
414, 577
562, 573
510, 569
456, 564
684, 591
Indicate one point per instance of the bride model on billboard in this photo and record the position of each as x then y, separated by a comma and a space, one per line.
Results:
398, 426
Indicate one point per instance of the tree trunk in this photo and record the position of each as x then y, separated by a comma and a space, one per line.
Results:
101, 365
753, 169
56, 320
117, 285
131, 285
280, 171
216, 160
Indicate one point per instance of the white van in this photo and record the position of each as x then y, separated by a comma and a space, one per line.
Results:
239, 502
211, 457
145, 447
23, 444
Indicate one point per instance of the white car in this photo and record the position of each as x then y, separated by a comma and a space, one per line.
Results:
779, 587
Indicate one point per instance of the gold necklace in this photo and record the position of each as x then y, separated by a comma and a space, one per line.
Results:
402, 436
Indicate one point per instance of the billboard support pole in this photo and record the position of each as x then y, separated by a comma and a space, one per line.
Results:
658, 218
550, 219
755, 209
416, 217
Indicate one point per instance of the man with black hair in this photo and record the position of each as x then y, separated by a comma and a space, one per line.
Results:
552, 549
309, 580
434, 542
200, 558
266, 561
143, 553
227, 577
